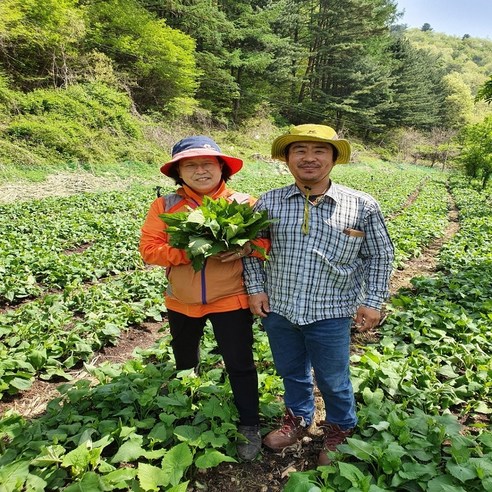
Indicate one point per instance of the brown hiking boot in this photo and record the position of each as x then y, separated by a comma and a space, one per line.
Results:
332, 438
291, 432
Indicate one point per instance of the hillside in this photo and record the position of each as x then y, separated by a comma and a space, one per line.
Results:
84, 89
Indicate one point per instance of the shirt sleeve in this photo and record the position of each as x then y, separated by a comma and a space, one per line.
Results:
378, 254
260, 242
253, 266
154, 246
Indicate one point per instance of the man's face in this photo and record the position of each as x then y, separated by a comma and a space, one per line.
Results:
310, 162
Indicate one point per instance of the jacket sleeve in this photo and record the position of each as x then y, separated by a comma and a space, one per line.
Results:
261, 243
154, 246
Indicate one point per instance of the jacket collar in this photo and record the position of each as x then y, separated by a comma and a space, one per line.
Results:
186, 192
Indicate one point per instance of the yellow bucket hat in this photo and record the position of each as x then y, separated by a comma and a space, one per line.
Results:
311, 133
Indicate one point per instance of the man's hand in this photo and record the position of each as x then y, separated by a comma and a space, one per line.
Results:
367, 318
258, 304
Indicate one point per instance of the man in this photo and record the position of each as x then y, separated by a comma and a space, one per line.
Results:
329, 264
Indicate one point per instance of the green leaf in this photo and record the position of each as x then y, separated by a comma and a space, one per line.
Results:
151, 477
213, 227
49, 455
211, 458
301, 482
418, 471
176, 461
120, 477
182, 487
161, 432
78, 459
482, 407
461, 472
213, 408
14, 474
188, 433
448, 371
354, 475
129, 451
20, 383
90, 482
362, 450
37, 358
444, 483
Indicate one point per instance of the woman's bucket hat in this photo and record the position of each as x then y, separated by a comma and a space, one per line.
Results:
311, 133
199, 146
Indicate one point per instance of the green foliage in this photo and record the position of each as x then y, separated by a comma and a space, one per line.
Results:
73, 282
157, 60
222, 63
485, 92
342, 70
476, 152
214, 227
458, 108
85, 124
41, 41
418, 92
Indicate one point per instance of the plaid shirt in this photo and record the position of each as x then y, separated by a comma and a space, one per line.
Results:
345, 259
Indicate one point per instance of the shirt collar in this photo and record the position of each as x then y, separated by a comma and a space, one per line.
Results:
333, 192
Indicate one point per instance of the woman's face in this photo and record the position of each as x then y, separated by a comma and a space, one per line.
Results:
201, 174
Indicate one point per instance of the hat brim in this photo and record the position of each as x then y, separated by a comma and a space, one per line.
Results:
280, 143
233, 163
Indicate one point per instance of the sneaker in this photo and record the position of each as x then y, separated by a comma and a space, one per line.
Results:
291, 432
249, 450
332, 438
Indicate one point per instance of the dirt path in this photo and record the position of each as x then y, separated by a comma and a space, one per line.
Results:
62, 184
425, 264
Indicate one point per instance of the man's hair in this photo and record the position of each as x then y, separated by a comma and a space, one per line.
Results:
335, 151
174, 174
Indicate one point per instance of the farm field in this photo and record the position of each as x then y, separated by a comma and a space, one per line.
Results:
73, 285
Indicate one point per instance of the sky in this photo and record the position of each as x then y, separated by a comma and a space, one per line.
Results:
454, 17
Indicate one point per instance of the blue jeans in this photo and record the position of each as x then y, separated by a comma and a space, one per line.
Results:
323, 346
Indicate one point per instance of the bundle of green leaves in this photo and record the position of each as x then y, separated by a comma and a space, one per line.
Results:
214, 227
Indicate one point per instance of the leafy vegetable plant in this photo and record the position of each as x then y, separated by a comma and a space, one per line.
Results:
213, 227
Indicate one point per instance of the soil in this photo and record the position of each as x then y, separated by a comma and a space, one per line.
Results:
270, 471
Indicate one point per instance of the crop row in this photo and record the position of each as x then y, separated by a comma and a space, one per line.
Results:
53, 333
57, 332
53, 243
49, 244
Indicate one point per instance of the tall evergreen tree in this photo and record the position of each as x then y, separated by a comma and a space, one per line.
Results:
236, 51
344, 40
418, 90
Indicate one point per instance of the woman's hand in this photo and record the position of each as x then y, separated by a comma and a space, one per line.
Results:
235, 254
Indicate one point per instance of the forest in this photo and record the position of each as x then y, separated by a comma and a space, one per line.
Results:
87, 83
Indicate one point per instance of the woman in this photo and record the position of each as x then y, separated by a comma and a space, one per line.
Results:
214, 293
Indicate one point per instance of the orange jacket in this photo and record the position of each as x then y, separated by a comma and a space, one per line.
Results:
218, 287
